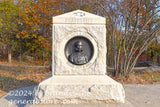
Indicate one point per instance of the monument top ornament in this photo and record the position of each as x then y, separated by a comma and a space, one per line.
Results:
78, 17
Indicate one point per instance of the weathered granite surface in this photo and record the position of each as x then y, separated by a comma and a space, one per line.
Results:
79, 89
91, 27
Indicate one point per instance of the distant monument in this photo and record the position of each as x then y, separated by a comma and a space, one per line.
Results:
79, 63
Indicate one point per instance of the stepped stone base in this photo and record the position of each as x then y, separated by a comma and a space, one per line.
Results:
79, 90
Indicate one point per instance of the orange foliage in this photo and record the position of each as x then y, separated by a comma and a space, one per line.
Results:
142, 22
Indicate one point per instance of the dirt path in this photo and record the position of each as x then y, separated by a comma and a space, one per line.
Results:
143, 95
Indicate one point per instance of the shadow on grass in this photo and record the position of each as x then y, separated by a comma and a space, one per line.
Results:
20, 96
8, 83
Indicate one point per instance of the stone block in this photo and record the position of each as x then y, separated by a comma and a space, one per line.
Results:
79, 90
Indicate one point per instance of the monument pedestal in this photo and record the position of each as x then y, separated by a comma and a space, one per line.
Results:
79, 90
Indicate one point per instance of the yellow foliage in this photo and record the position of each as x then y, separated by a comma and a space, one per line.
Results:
17, 36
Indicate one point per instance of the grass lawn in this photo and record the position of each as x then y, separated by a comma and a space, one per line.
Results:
14, 79
145, 78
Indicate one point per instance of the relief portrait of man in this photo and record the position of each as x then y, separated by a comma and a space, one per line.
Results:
78, 57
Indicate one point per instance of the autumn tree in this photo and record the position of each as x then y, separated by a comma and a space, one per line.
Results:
9, 22
131, 27
37, 21
153, 51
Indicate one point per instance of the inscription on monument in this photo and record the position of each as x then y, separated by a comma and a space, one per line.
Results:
79, 14
78, 20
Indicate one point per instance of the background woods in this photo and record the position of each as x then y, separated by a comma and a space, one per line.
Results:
132, 30
131, 26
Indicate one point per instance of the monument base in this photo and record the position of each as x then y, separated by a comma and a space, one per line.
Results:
79, 90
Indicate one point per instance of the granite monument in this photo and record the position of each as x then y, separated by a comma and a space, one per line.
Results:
79, 63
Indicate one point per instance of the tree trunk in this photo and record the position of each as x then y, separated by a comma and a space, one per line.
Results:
158, 59
43, 58
9, 55
148, 57
21, 54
